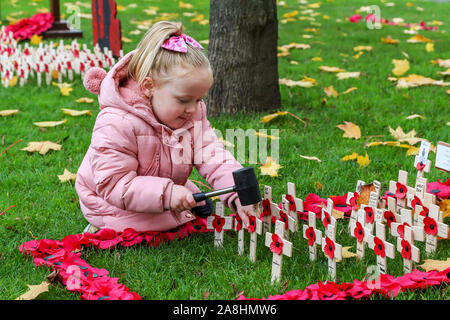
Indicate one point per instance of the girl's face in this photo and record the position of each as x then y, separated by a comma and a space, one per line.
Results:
175, 101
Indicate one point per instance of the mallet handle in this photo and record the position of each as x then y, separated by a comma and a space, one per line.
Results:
204, 195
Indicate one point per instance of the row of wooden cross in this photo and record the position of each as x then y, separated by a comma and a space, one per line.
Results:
411, 214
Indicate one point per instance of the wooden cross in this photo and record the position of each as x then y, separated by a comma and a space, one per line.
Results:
60, 28
254, 228
422, 157
408, 250
381, 247
327, 214
237, 226
358, 231
392, 206
433, 228
282, 216
279, 247
428, 200
219, 223
331, 249
313, 235
369, 217
298, 203
267, 208
292, 215
397, 228
403, 180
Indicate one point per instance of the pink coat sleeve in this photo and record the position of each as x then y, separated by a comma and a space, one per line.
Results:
114, 164
214, 162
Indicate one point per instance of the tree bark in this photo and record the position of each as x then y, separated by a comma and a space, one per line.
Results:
243, 55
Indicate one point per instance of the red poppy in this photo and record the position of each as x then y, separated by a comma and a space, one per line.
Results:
420, 166
276, 245
310, 235
313, 203
340, 204
267, 212
353, 200
401, 190
251, 223
379, 247
238, 222
406, 249
26, 28
355, 18
291, 200
218, 223
401, 229
329, 248
284, 218
440, 189
390, 217
430, 226
424, 212
369, 214
273, 219
358, 232
326, 219
416, 201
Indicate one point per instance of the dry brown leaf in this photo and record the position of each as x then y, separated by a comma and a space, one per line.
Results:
42, 147
364, 195
84, 100
418, 39
34, 291
350, 129
272, 116
389, 40
445, 208
415, 80
349, 90
438, 265
331, 69
347, 75
346, 253
414, 116
362, 48
306, 82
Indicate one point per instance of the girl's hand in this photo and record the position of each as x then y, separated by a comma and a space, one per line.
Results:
181, 199
243, 211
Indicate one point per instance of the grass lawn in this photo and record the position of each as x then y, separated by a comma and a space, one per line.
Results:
47, 208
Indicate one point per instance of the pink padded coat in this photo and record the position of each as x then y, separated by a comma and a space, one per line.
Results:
125, 179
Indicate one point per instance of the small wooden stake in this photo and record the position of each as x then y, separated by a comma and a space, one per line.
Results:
357, 230
406, 220
274, 243
257, 229
433, 228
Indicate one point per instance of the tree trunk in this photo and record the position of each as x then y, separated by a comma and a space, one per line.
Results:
243, 54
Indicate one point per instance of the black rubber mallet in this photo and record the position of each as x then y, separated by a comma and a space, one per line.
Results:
245, 184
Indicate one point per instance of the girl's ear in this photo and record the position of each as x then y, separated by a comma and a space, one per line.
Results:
147, 86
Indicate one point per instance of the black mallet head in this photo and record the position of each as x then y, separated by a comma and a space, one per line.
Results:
246, 186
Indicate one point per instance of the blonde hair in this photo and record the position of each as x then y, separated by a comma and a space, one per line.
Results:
151, 60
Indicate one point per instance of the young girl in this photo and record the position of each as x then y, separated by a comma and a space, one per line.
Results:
151, 130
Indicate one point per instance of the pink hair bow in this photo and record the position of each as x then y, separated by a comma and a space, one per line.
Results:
178, 43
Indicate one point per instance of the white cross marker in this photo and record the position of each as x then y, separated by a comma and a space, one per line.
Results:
283, 217
219, 223
397, 228
279, 247
358, 231
313, 235
240, 230
408, 250
403, 188
331, 249
297, 202
382, 248
433, 228
267, 208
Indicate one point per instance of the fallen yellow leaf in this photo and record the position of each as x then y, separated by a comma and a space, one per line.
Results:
331, 69
76, 113
263, 135
270, 168
438, 265
389, 40
316, 59
349, 90
429, 47
183, 5
418, 39
362, 48
64, 87
414, 116
49, 124
331, 92
36, 39
415, 80
401, 67
67, 176
352, 156
84, 100
363, 161
34, 291
359, 54
347, 75
42, 147
350, 129
10, 112
306, 82
346, 253
272, 116
445, 208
